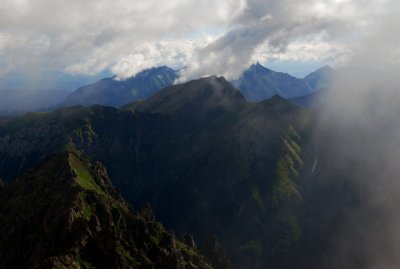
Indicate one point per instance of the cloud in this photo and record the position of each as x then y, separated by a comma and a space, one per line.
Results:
88, 36
170, 53
209, 37
361, 122
287, 29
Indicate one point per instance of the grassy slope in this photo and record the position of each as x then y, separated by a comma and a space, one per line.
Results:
47, 204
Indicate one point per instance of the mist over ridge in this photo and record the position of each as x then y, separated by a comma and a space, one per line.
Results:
359, 128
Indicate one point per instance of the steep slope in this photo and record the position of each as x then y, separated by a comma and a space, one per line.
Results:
112, 92
259, 83
65, 214
207, 161
124, 141
237, 173
239, 176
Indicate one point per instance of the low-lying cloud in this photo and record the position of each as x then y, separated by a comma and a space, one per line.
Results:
362, 117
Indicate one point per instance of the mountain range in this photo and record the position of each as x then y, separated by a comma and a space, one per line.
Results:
254, 184
256, 83
20, 95
206, 160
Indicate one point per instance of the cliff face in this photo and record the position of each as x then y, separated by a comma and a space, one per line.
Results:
65, 214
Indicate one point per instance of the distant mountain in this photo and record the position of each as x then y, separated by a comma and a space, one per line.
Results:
20, 95
256, 83
320, 79
206, 160
260, 83
65, 214
114, 92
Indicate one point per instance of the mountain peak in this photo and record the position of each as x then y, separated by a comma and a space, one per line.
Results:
201, 96
117, 92
65, 207
213, 77
259, 67
320, 78
260, 83
278, 100
325, 70
157, 70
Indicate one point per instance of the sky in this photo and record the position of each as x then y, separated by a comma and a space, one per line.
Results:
209, 37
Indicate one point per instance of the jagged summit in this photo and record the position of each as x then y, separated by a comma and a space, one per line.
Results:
260, 83
65, 214
259, 67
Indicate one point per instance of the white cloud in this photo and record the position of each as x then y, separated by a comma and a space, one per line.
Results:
287, 29
87, 36
171, 53
313, 49
126, 36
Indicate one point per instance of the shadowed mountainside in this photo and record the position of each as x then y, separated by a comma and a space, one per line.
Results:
206, 160
113, 92
65, 214
259, 83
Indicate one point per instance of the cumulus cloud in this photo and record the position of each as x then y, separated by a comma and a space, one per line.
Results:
173, 53
208, 37
287, 29
89, 36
